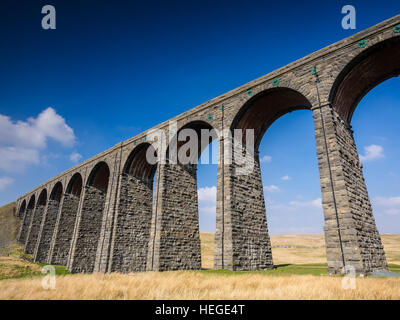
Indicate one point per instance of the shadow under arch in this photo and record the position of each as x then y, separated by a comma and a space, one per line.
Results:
244, 238
174, 236
131, 232
74, 186
66, 222
364, 72
27, 220
22, 209
177, 142
34, 228
90, 220
265, 108
49, 223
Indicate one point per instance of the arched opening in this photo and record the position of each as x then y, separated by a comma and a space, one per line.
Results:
365, 72
132, 230
22, 209
49, 223
35, 224
370, 68
90, 221
251, 245
292, 191
175, 238
376, 135
65, 227
207, 183
27, 220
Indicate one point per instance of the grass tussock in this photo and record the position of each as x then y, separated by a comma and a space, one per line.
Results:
192, 285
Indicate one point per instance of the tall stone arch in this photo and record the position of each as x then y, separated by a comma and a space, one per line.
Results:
36, 221
88, 227
131, 234
26, 220
356, 243
66, 221
174, 234
49, 223
243, 231
21, 210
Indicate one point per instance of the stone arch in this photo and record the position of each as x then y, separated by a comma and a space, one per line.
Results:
133, 218
197, 126
174, 235
242, 231
137, 166
90, 219
36, 222
27, 220
99, 177
74, 186
66, 222
49, 223
359, 75
22, 209
373, 66
265, 108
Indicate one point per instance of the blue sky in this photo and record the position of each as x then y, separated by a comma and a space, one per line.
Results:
112, 69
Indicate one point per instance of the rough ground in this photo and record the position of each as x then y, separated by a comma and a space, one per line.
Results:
302, 274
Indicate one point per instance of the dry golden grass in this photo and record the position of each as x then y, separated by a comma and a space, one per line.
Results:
305, 248
207, 250
191, 285
11, 267
300, 249
391, 243
210, 285
310, 248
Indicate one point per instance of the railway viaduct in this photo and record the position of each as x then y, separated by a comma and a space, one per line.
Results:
104, 215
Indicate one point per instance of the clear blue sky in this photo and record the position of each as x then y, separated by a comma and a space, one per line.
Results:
112, 69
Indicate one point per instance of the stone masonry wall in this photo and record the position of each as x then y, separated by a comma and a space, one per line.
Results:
46, 234
88, 231
25, 225
132, 233
349, 223
369, 240
34, 229
174, 235
246, 214
64, 230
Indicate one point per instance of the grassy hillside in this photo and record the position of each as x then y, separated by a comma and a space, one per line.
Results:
9, 225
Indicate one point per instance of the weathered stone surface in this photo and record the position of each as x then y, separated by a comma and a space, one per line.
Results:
46, 234
249, 247
351, 235
25, 225
88, 233
64, 231
174, 236
34, 229
132, 234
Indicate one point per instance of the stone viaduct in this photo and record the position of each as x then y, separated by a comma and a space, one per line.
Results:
103, 216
